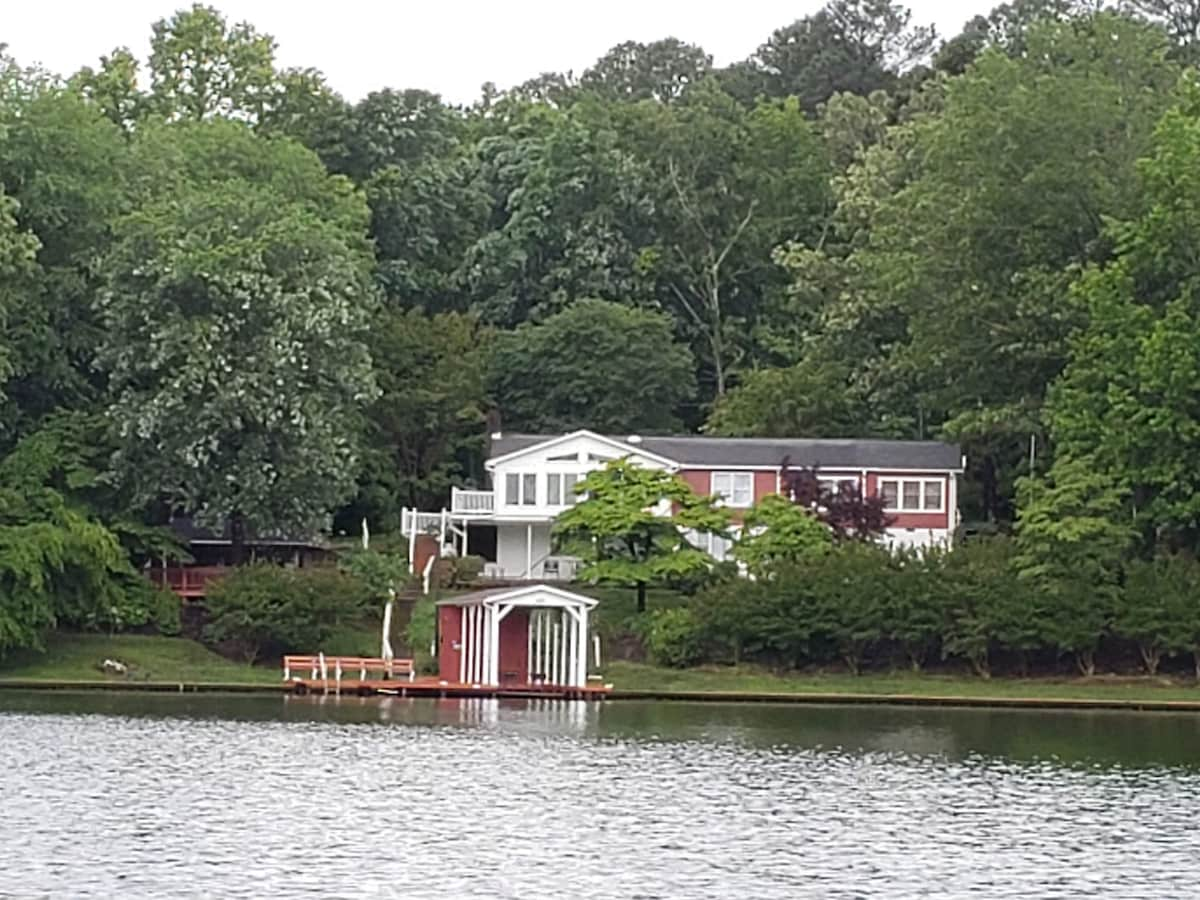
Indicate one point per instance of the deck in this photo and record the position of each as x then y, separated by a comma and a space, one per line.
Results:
436, 687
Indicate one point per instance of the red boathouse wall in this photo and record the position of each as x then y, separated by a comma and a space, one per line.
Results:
514, 647
449, 632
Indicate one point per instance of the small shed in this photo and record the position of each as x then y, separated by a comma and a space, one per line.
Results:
515, 636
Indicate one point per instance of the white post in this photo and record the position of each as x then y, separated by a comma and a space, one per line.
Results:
528, 649
385, 649
462, 645
476, 646
541, 644
466, 531
583, 642
571, 665
555, 652
529, 550
495, 641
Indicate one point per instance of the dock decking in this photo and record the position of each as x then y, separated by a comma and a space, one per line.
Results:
435, 687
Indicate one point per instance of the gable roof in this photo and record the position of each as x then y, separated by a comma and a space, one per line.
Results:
496, 595
824, 453
546, 441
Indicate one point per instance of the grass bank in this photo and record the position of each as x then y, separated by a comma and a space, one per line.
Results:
636, 677
78, 657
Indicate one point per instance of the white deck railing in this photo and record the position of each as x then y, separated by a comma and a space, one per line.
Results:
472, 503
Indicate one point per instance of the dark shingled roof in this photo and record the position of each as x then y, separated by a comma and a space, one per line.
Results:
188, 530
832, 453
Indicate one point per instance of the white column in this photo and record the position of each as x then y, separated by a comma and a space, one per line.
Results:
529, 550
462, 645
543, 643
474, 677
572, 648
494, 640
583, 652
555, 652
529, 670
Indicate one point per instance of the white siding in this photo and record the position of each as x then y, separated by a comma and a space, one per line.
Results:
511, 554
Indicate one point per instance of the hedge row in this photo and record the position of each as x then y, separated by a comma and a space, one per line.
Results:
862, 605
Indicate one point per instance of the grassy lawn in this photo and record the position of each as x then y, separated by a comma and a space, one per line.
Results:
77, 657
633, 676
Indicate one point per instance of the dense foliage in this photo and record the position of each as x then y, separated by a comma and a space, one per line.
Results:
266, 609
857, 605
264, 305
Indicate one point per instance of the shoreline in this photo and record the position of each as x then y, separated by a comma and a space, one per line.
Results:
778, 698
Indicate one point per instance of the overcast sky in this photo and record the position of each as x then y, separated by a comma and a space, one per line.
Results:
448, 46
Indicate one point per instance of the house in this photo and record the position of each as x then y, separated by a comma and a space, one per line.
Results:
211, 555
533, 479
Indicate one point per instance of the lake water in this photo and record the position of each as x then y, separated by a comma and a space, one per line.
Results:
123, 795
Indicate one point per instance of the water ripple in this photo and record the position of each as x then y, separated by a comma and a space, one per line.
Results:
476, 800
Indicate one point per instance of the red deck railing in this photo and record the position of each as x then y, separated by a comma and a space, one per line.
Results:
190, 581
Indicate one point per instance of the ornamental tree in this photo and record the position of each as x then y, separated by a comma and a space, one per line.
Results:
849, 514
777, 531
237, 297
630, 529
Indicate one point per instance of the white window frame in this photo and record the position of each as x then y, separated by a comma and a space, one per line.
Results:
521, 497
565, 482
834, 484
729, 495
921, 506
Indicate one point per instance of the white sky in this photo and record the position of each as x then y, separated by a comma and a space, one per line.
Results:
448, 46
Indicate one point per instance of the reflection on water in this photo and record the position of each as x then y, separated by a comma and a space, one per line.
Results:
182, 796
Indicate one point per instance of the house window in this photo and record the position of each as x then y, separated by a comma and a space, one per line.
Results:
560, 488
734, 488
912, 494
520, 489
836, 485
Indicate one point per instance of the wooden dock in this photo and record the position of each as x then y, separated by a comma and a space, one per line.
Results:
435, 687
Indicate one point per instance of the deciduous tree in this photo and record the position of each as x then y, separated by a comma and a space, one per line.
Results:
629, 527
580, 367
238, 294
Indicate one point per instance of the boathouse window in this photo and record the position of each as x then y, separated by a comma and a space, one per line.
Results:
835, 485
912, 494
520, 489
734, 488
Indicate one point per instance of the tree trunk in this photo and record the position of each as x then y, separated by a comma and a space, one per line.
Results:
852, 662
979, 662
990, 489
1151, 657
237, 538
641, 596
1196, 660
1085, 661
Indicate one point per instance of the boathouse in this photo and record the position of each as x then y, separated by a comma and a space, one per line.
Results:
533, 635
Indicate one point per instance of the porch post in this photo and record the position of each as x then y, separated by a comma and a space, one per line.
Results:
494, 642
529, 550
583, 646
462, 645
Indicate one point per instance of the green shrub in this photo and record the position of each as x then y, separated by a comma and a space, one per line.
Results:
265, 608
673, 637
420, 634
380, 572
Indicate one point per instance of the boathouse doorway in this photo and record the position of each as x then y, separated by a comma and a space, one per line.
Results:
515, 637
